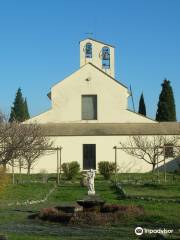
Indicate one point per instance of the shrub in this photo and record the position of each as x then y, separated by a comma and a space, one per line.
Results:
130, 210
110, 214
71, 170
52, 214
83, 181
106, 169
109, 208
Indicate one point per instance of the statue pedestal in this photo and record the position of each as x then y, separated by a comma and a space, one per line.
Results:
91, 193
91, 203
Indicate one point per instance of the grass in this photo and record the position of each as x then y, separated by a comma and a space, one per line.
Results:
148, 177
70, 192
14, 222
165, 191
23, 192
79, 234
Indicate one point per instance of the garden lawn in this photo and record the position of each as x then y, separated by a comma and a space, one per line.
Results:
22, 192
148, 177
15, 224
69, 193
158, 191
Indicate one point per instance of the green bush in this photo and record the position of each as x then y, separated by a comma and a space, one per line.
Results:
106, 169
71, 170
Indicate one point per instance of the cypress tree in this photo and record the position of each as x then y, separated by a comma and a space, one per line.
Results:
142, 106
166, 110
19, 110
27, 116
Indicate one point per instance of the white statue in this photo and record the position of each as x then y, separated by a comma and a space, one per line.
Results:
90, 181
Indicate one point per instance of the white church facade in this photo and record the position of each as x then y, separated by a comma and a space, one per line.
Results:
90, 115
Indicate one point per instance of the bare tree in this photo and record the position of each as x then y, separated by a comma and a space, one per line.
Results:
11, 140
37, 145
148, 148
2, 117
21, 144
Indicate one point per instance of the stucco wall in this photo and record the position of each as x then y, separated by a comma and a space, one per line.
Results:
96, 56
73, 151
112, 99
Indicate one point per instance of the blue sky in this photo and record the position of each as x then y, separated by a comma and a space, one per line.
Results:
39, 45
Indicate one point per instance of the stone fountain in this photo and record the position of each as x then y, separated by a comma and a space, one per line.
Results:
91, 202
91, 210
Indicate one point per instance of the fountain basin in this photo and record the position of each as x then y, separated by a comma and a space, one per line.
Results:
91, 203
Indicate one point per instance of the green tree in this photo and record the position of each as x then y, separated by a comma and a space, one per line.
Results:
19, 110
142, 106
27, 116
166, 110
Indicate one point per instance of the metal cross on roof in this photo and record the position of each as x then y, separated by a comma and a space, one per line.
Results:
89, 34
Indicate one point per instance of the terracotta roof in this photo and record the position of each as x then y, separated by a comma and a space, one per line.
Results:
110, 129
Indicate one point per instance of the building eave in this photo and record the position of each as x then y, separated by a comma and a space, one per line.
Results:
92, 39
110, 129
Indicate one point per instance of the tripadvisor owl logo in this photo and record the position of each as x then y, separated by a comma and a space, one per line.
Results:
138, 231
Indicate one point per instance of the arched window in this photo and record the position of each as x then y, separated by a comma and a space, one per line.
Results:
88, 50
105, 57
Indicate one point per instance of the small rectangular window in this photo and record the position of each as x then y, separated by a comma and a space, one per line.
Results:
88, 50
89, 107
169, 150
106, 58
89, 156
